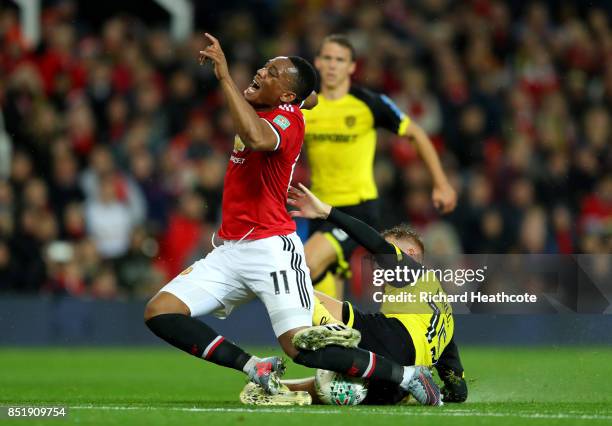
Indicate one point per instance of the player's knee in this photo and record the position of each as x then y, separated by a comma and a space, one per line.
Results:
286, 343
152, 310
164, 303
290, 351
314, 265
319, 268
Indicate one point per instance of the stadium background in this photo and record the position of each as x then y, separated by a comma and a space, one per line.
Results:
114, 142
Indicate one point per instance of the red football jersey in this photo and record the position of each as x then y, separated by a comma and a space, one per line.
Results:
256, 182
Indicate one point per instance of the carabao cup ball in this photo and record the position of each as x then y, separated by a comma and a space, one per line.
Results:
338, 389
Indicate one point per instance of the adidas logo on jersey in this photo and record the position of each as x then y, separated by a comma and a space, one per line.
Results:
286, 107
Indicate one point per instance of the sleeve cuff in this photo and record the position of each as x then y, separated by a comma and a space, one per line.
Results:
403, 126
278, 137
333, 215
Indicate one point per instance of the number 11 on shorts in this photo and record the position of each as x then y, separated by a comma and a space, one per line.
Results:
274, 276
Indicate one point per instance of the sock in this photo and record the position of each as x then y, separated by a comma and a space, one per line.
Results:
198, 339
250, 364
408, 375
354, 362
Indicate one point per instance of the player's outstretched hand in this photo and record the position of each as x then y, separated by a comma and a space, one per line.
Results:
444, 198
308, 205
214, 52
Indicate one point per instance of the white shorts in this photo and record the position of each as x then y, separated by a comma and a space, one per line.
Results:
272, 269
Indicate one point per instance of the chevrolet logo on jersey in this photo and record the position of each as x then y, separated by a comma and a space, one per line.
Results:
341, 144
330, 137
238, 144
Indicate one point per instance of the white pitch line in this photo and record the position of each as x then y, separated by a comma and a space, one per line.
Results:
407, 412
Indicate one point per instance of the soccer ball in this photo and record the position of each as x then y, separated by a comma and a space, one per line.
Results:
338, 389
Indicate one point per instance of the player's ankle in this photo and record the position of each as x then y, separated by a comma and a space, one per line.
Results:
409, 372
250, 364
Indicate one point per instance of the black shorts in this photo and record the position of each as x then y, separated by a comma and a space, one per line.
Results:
386, 337
366, 211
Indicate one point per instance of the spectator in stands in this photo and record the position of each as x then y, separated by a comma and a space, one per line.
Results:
109, 220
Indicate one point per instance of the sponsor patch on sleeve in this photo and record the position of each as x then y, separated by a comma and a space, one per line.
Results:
282, 121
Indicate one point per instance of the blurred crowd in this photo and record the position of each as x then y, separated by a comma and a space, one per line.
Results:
114, 140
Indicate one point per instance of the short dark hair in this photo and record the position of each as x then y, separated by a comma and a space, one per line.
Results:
305, 81
403, 231
342, 40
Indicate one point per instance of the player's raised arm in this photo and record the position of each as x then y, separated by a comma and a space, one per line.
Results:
388, 116
443, 196
253, 131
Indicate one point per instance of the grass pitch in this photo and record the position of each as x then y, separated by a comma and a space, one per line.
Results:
508, 386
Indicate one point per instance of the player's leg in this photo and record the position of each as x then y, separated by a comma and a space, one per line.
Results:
278, 275
357, 362
451, 372
329, 313
320, 255
330, 283
170, 319
380, 336
304, 384
383, 336
391, 381
333, 306
327, 310
331, 330
327, 253
170, 315
288, 296
329, 249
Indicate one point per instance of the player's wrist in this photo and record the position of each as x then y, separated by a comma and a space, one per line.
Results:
440, 183
326, 211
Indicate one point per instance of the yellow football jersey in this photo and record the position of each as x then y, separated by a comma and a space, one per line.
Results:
430, 323
340, 143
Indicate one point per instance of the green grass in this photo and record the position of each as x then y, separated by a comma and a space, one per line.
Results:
508, 386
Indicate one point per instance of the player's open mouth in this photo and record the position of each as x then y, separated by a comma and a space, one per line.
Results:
254, 87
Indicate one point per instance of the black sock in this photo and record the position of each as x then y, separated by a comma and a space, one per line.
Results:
198, 339
354, 362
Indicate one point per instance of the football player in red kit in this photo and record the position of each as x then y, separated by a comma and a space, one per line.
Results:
261, 255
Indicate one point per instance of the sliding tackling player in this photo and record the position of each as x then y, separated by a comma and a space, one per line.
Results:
408, 333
